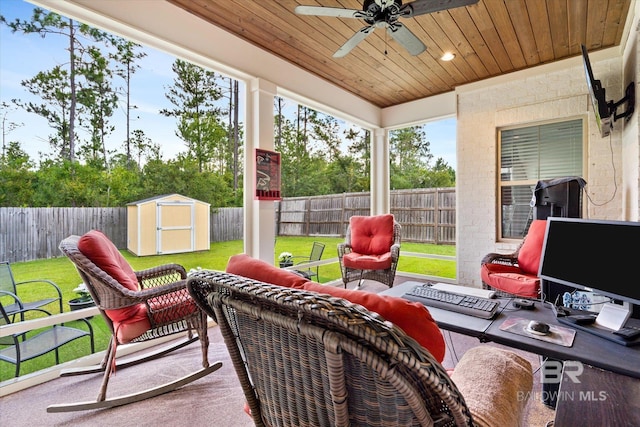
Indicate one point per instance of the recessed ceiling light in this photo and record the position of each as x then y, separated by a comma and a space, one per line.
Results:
448, 56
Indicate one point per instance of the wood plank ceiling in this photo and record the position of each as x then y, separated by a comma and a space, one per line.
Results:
489, 38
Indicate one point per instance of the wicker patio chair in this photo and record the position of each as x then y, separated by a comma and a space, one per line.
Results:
371, 249
516, 273
308, 359
161, 306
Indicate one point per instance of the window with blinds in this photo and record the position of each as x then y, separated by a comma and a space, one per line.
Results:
527, 155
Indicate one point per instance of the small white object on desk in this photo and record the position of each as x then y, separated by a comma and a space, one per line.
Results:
464, 290
613, 316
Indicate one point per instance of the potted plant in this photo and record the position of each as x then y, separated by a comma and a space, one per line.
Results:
285, 259
83, 300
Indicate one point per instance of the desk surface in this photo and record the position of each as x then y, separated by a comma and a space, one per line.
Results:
601, 398
586, 348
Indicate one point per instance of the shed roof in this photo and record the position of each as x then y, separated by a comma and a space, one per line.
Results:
163, 196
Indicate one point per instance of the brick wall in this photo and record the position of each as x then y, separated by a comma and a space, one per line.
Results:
549, 93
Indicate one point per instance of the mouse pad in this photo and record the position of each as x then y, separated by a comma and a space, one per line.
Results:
557, 334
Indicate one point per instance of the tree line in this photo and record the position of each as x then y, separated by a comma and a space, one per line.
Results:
80, 98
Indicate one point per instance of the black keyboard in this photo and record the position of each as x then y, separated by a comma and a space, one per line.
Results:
465, 304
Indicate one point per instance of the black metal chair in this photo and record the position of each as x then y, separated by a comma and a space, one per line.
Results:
316, 253
18, 348
19, 305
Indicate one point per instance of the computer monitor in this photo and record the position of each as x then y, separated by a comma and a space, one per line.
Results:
593, 255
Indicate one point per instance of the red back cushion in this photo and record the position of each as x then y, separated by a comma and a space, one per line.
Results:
531, 250
103, 253
256, 269
129, 322
412, 317
371, 235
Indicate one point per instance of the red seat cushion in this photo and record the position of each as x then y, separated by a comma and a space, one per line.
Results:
367, 262
510, 279
531, 250
413, 318
129, 322
170, 307
371, 235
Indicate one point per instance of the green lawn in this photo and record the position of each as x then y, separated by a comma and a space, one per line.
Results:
63, 273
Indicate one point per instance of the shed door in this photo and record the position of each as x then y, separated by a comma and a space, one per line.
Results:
175, 227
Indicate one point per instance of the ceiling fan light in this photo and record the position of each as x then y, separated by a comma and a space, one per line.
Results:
448, 56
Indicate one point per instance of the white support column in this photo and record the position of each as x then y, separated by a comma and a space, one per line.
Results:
380, 180
259, 216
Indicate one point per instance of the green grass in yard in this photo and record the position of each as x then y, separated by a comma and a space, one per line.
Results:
63, 273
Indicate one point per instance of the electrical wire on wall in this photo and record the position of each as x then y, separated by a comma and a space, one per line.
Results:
615, 183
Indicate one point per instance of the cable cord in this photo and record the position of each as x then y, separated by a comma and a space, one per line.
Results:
615, 184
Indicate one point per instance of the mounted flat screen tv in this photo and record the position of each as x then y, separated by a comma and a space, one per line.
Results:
606, 112
604, 115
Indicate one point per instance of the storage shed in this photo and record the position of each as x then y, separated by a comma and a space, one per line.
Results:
167, 224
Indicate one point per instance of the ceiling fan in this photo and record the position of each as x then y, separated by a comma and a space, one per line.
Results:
385, 14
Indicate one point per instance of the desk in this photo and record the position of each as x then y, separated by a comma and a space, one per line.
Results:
601, 398
587, 348
620, 379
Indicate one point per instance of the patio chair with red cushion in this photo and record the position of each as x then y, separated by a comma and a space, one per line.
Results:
137, 306
516, 273
371, 249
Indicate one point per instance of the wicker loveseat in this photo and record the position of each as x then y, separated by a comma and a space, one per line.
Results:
306, 358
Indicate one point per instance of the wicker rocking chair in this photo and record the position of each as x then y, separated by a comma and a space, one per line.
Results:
137, 306
304, 358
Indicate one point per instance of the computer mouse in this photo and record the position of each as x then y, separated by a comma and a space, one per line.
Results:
538, 327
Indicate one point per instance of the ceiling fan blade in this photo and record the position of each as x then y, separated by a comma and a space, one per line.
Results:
328, 11
406, 38
420, 7
353, 41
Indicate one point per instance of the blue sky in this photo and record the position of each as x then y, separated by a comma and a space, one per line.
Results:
23, 56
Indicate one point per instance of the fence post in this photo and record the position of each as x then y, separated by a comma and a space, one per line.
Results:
342, 214
436, 217
278, 217
307, 216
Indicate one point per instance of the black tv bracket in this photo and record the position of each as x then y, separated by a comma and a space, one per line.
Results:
629, 99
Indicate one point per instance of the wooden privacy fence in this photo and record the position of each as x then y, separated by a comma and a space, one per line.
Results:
35, 233
426, 215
